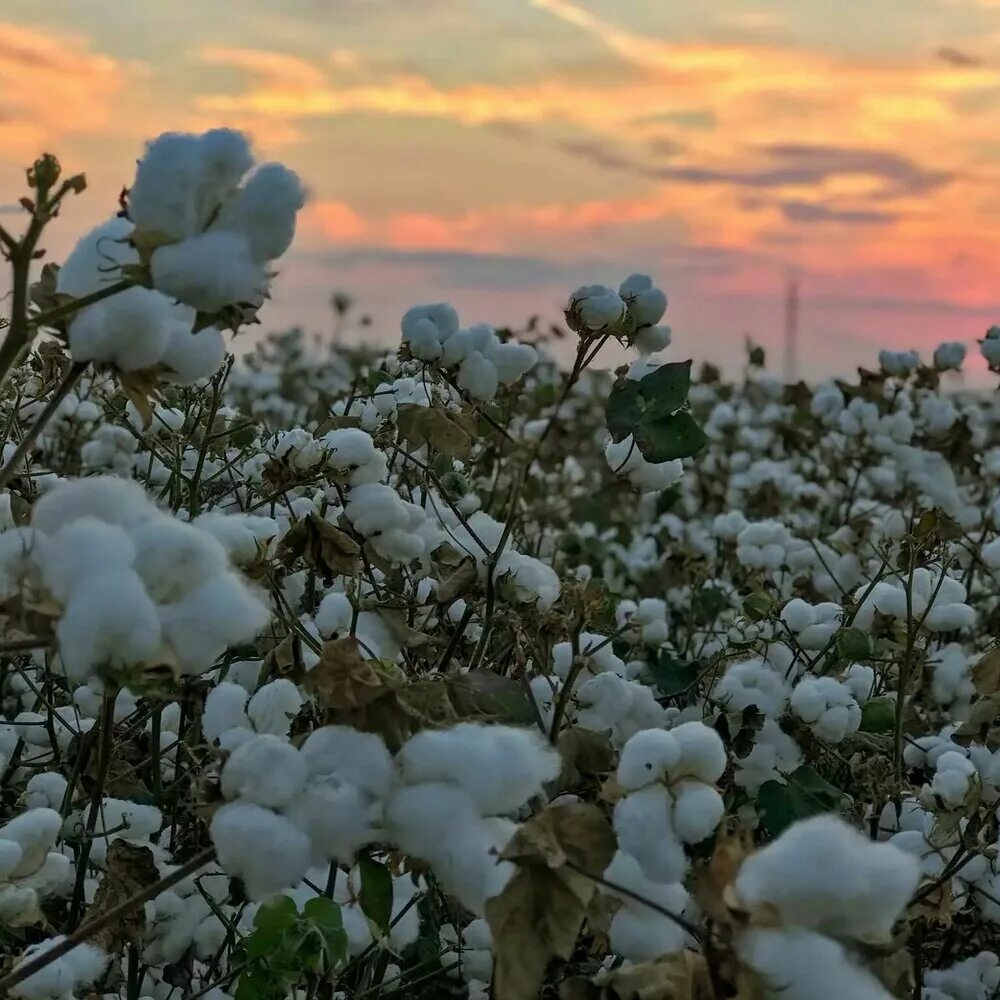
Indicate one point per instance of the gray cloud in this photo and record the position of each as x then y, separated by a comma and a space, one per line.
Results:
956, 57
808, 211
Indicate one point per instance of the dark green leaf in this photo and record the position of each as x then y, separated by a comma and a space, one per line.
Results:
673, 676
666, 389
670, 437
624, 409
276, 915
805, 794
376, 892
878, 715
324, 914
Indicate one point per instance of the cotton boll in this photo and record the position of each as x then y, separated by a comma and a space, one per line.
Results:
480, 338
222, 612
45, 789
111, 622
97, 258
644, 828
602, 701
78, 552
273, 707
478, 377
107, 498
263, 849
163, 198
648, 757
858, 891
266, 770
422, 819
264, 211
512, 360
173, 558
350, 755
595, 307
646, 303
752, 682
338, 818
703, 754
827, 706
797, 615
952, 779
517, 761
209, 271
698, 810
35, 832
225, 709
426, 328
10, 858
795, 964
241, 535
63, 976
191, 356
129, 330
652, 339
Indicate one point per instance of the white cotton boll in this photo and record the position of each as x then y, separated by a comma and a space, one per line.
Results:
225, 709
827, 706
518, 762
426, 328
644, 828
209, 271
192, 356
478, 377
652, 339
953, 778
10, 858
990, 346
274, 706
110, 622
61, 977
949, 355
348, 447
480, 338
774, 755
164, 197
649, 756
512, 360
97, 258
703, 754
241, 535
857, 891
469, 868
35, 832
752, 682
602, 701
795, 964
698, 810
220, 613
107, 498
173, 558
422, 819
78, 552
625, 459
129, 330
267, 770
646, 302
859, 679
596, 307
339, 819
45, 789
264, 210
797, 615
263, 849
898, 362
352, 756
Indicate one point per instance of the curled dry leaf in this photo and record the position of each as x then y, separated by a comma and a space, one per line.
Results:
319, 543
986, 673
343, 679
130, 869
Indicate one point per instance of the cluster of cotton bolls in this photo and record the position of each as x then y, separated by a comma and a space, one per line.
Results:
31, 870
975, 978
64, 978
484, 361
135, 586
933, 599
632, 312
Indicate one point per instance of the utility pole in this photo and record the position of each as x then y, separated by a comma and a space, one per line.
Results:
791, 330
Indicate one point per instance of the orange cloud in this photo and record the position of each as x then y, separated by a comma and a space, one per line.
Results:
52, 85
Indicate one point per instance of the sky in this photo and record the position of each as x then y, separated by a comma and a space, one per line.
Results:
499, 153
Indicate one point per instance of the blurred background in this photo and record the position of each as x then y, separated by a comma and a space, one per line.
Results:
808, 170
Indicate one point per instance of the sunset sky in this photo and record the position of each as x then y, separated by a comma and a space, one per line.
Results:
498, 153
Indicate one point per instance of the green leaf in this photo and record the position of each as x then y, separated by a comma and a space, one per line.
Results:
878, 715
708, 603
276, 915
805, 794
670, 437
666, 389
624, 409
853, 644
758, 606
673, 676
376, 893
324, 914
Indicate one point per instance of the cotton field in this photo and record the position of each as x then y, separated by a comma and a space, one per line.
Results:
456, 670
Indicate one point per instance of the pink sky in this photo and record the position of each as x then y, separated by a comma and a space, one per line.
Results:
498, 153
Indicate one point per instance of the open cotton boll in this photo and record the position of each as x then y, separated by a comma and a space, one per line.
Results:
703, 754
273, 707
209, 271
129, 330
45, 789
348, 447
264, 209
478, 377
596, 307
795, 964
225, 709
97, 258
698, 810
752, 682
107, 498
426, 329
338, 818
173, 558
517, 762
241, 535
61, 978
469, 868
110, 622
220, 613
511, 360
35, 832
643, 823
828, 706
263, 849
191, 356
651, 339
350, 755
480, 338
953, 778
646, 302
422, 819
267, 770
163, 198
78, 552
648, 756
857, 891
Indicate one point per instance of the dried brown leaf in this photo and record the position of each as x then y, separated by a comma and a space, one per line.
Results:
342, 679
444, 431
986, 673
130, 869
321, 544
458, 581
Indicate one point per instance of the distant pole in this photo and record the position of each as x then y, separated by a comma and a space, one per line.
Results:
791, 331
